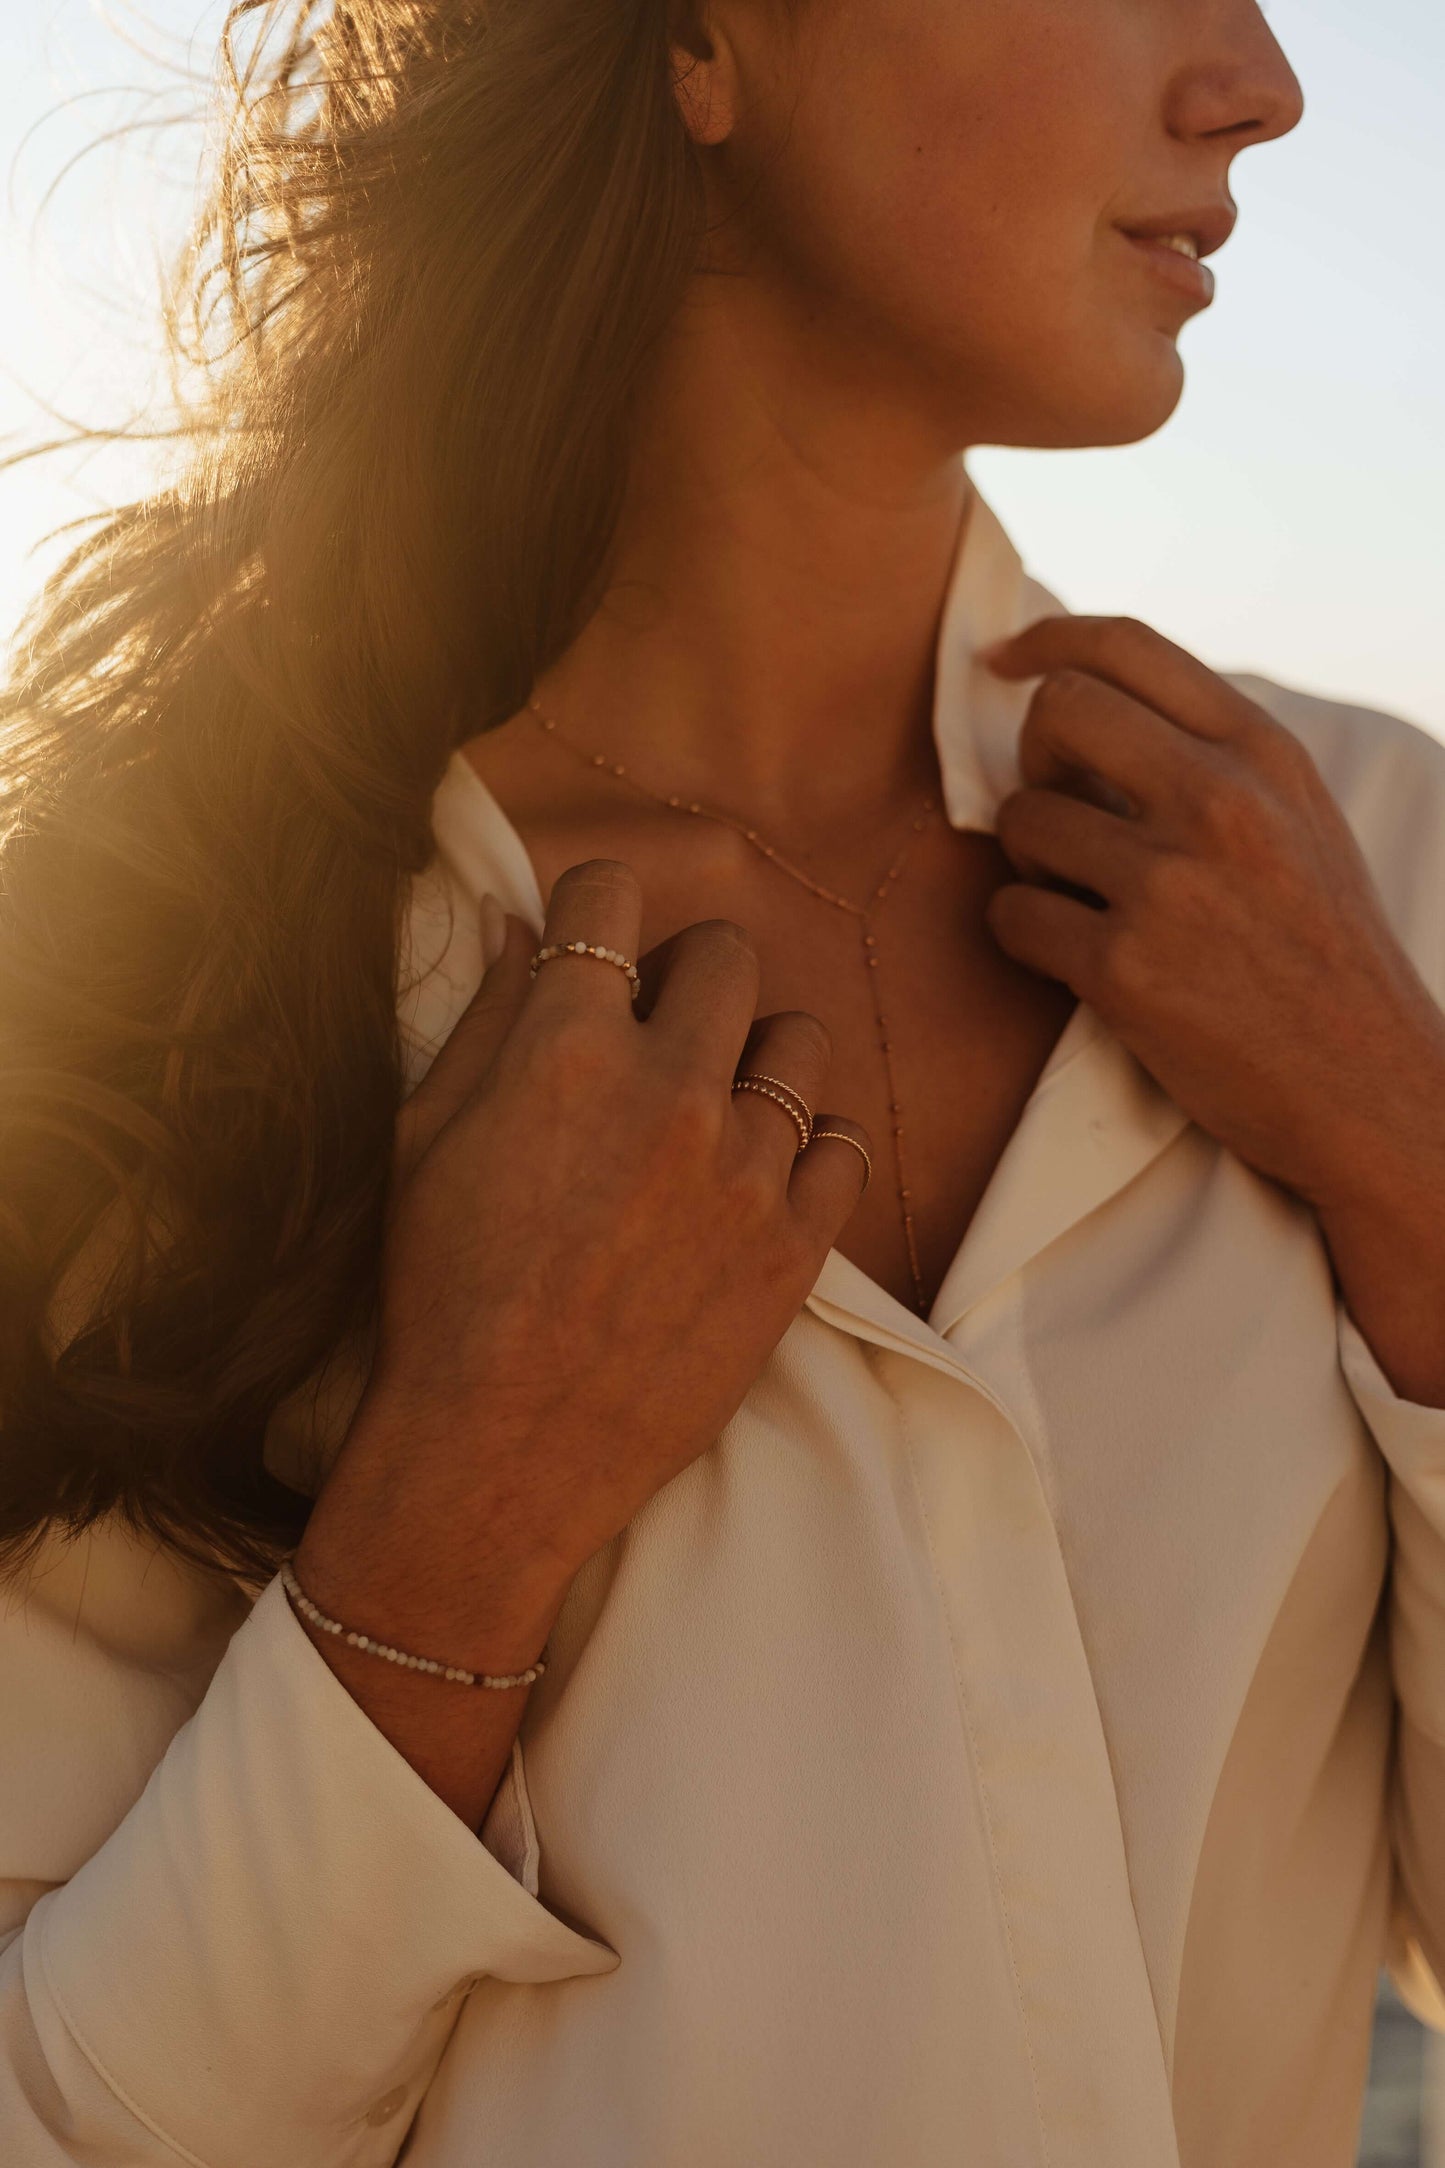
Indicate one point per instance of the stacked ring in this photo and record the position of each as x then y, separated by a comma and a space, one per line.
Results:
782, 1095
588, 948
844, 1138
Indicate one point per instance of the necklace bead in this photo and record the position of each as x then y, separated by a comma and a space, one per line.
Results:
859, 911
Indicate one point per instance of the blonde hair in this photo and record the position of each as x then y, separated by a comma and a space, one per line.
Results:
441, 239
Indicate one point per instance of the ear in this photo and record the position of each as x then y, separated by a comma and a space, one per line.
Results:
704, 73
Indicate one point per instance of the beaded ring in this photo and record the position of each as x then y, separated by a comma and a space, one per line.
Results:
588, 948
803, 1121
760, 1076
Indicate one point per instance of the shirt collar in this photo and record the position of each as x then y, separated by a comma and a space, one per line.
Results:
1095, 1118
977, 717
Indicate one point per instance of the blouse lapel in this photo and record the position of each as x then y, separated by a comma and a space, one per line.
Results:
1096, 1118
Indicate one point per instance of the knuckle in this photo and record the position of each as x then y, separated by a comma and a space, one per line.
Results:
1176, 887
572, 1052
1218, 805
1124, 636
1238, 820
692, 1119
1061, 689
726, 936
812, 1036
1124, 968
1277, 752
611, 874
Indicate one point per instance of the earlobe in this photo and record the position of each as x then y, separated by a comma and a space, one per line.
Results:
706, 110
702, 77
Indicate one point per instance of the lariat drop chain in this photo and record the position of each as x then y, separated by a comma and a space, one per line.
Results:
864, 913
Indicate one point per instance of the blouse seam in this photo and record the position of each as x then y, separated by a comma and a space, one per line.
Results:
111, 2084
966, 1714
1045, 1466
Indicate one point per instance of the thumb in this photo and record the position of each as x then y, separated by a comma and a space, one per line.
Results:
475, 1038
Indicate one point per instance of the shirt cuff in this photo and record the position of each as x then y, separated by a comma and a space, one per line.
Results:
287, 1897
1410, 1435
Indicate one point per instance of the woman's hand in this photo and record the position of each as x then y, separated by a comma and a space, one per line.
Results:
593, 1248
1237, 945
1242, 952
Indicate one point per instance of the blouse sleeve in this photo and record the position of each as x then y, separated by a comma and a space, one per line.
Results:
1412, 1440
214, 1865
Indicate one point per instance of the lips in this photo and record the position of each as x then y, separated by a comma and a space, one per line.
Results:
1174, 266
1207, 226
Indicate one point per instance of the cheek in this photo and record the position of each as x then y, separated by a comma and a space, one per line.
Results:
966, 132
947, 170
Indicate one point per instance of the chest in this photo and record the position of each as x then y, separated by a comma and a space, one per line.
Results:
967, 1031
938, 1041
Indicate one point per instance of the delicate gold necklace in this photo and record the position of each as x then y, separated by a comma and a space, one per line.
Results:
864, 913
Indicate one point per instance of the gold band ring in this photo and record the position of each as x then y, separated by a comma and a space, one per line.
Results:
588, 948
844, 1138
789, 1091
803, 1121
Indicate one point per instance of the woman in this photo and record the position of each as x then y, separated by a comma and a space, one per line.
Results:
655, 1622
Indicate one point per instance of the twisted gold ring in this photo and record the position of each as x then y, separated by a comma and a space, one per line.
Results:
782, 1095
844, 1138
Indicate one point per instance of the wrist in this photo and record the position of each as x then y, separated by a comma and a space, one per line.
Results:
1387, 1251
430, 1560
493, 1624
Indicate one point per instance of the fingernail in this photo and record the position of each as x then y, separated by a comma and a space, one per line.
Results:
494, 930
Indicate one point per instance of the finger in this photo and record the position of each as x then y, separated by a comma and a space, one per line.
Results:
1134, 657
788, 1053
1050, 836
703, 989
598, 901
1078, 726
470, 1047
831, 1175
1048, 933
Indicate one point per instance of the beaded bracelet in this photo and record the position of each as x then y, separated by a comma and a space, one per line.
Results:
456, 1672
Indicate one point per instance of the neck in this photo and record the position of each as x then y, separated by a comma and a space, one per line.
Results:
767, 635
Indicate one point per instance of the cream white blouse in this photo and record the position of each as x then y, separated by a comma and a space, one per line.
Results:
1016, 1741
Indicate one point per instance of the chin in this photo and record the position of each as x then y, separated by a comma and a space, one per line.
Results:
1123, 404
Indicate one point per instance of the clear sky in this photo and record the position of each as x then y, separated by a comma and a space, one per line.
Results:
1288, 519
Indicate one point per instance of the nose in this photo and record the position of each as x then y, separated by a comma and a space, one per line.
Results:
1239, 88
